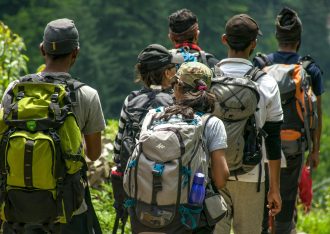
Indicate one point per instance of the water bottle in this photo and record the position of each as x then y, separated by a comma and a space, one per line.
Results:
197, 192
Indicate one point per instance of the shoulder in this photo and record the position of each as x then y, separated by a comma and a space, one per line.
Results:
311, 66
268, 87
267, 82
213, 123
87, 91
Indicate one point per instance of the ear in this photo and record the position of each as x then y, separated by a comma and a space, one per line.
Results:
167, 73
224, 39
254, 44
42, 50
171, 38
75, 52
196, 35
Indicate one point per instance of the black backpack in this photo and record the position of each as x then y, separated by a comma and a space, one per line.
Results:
139, 103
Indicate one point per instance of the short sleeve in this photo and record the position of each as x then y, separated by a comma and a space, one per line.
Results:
95, 121
317, 79
215, 134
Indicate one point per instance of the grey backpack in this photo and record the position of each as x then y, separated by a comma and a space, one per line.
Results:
237, 98
159, 174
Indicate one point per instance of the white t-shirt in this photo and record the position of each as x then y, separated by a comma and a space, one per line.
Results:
269, 106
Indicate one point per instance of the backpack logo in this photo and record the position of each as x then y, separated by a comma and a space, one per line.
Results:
160, 146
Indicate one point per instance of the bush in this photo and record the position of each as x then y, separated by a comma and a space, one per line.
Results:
103, 203
12, 61
318, 220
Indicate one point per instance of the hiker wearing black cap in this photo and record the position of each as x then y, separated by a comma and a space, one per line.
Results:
154, 69
288, 35
180, 146
244, 191
184, 33
69, 201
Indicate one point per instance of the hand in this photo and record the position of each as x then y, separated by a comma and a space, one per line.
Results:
315, 160
274, 202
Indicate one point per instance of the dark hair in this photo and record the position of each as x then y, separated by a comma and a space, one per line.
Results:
149, 78
239, 46
180, 21
192, 101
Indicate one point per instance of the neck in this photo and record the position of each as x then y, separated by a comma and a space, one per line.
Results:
287, 49
57, 66
191, 45
238, 54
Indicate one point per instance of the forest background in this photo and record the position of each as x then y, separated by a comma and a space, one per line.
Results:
112, 33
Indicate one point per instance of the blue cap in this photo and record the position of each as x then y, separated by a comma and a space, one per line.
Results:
199, 178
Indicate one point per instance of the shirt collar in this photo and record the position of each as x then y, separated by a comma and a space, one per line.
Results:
235, 60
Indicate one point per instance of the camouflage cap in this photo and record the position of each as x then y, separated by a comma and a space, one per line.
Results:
192, 72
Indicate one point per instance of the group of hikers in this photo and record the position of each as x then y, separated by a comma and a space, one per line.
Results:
206, 146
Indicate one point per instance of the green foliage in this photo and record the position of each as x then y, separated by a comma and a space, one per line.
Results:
112, 33
111, 130
318, 220
103, 200
12, 61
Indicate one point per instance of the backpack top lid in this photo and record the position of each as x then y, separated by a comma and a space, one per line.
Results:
237, 97
36, 99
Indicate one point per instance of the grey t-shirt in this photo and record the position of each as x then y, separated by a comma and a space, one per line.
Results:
215, 136
88, 111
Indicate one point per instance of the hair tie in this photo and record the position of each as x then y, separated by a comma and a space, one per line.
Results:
202, 87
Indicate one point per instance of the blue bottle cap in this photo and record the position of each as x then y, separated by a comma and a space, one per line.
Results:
199, 178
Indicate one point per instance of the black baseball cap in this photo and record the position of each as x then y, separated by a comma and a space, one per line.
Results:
60, 37
156, 56
242, 28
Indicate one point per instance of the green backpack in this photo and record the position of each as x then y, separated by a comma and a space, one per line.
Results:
41, 152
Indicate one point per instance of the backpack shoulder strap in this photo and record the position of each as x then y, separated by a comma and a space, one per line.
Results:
205, 119
30, 78
255, 73
306, 61
202, 55
261, 60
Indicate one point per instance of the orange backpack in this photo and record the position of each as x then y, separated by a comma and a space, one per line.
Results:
298, 104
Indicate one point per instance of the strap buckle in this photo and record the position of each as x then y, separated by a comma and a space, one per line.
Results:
54, 98
158, 169
20, 95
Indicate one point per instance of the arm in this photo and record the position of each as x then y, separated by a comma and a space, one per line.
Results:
317, 136
119, 137
274, 197
93, 145
273, 148
219, 168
